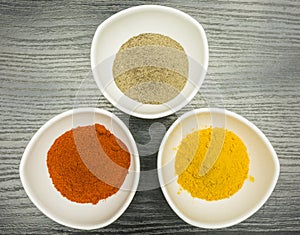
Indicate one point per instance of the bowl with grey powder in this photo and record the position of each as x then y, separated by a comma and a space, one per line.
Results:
149, 61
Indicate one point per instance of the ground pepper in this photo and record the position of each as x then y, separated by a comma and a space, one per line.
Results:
229, 169
151, 68
88, 164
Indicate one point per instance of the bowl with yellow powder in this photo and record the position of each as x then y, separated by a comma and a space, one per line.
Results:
149, 61
216, 168
81, 168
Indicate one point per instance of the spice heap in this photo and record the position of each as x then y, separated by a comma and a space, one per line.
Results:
88, 164
226, 155
151, 68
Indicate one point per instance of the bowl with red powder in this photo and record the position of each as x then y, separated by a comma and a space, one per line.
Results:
81, 168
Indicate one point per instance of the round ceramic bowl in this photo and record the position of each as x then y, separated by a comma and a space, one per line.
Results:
120, 27
264, 167
38, 184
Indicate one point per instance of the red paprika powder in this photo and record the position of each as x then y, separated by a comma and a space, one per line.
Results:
88, 164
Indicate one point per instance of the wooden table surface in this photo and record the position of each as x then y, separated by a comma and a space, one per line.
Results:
253, 67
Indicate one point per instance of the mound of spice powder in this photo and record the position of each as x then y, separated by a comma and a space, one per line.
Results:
229, 164
151, 68
88, 164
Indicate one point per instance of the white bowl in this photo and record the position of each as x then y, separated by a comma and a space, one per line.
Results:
38, 184
264, 167
120, 27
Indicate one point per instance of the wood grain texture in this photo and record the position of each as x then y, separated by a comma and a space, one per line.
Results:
254, 70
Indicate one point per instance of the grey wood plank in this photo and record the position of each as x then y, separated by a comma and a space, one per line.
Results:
254, 68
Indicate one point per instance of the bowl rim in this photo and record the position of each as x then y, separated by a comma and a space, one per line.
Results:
137, 9
240, 119
35, 138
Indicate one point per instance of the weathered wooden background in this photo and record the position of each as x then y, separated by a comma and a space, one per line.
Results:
254, 69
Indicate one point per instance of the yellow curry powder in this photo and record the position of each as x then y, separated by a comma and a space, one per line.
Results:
226, 160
